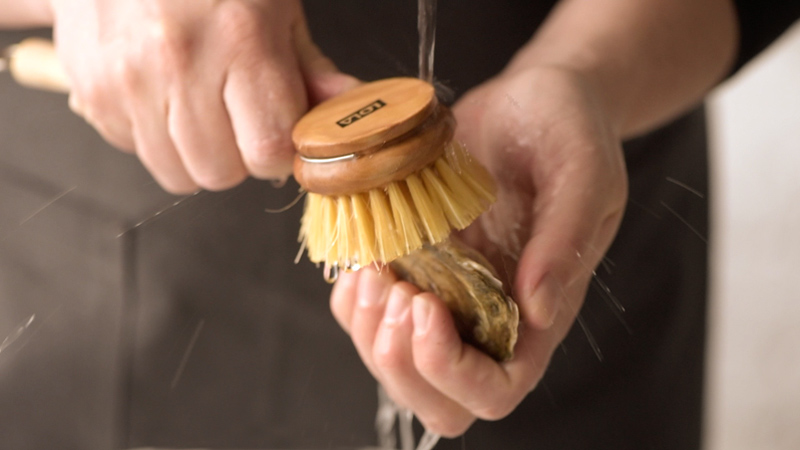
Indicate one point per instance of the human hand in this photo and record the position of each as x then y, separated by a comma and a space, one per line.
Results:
562, 189
204, 92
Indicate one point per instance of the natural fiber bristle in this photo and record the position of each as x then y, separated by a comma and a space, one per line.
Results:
383, 224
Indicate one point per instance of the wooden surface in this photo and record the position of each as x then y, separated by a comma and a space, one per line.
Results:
365, 117
33, 63
394, 162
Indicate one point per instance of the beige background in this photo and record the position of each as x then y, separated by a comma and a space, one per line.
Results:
754, 382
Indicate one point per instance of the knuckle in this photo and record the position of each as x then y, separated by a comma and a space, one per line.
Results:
434, 361
449, 427
115, 137
217, 180
240, 22
170, 47
93, 102
178, 187
387, 359
497, 410
430, 364
92, 98
265, 154
127, 72
268, 150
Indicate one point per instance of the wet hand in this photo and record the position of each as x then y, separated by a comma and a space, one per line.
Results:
205, 93
562, 189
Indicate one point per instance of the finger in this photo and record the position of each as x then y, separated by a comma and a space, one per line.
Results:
264, 95
471, 378
158, 155
94, 84
106, 115
117, 134
264, 103
395, 362
323, 79
201, 131
574, 225
373, 291
154, 146
343, 298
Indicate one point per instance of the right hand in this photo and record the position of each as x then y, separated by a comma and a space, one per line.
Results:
562, 191
204, 92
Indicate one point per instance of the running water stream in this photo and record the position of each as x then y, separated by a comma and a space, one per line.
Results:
426, 25
388, 412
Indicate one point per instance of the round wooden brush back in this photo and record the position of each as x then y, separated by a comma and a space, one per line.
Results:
370, 136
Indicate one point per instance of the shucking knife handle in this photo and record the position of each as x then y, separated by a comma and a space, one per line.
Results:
33, 63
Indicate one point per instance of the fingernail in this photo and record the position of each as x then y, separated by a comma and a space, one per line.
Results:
372, 287
421, 313
543, 304
397, 307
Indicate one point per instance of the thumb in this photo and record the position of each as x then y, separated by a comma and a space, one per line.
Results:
323, 79
569, 239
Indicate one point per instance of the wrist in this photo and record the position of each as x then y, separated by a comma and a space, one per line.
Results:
646, 60
590, 82
25, 13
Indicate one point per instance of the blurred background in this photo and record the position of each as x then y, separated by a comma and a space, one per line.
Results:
754, 377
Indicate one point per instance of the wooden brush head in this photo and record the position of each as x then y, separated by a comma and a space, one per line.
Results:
383, 175
364, 117
370, 136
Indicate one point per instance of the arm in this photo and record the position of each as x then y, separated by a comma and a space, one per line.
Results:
25, 13
204, 93
549, 127
648, 60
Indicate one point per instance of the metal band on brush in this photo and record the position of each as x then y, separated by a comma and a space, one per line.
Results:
378, 166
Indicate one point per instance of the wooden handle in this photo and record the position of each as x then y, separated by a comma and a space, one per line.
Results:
33, 63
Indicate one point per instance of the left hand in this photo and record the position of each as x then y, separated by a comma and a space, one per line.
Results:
562, 189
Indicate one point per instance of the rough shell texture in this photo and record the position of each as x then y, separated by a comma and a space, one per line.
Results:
485, 316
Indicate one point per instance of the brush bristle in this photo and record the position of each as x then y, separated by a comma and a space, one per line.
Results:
383, 224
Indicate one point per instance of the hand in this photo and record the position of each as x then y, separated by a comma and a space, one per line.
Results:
562, 191
204, 92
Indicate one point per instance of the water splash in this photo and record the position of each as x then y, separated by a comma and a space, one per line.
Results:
589, 337
160, 212
187, 353
612, 301
406, 426
686, 186
392, 420
19, 331
685, 222
46, 205
385, 420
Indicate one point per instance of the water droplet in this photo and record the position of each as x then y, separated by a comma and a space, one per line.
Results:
17, 333
331, 272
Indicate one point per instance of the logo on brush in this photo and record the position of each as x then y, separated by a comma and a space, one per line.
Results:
361, 113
